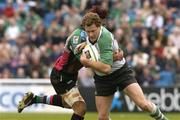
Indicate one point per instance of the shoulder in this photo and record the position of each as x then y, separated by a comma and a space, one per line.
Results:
106, 36
77, 31
78, 36
75, 35
105, 30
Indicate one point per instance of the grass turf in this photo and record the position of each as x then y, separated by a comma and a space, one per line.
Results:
89, 116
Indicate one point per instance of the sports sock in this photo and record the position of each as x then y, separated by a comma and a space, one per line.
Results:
76, 117
55, 100
157, 114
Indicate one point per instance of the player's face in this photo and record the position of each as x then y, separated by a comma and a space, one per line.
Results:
93, 32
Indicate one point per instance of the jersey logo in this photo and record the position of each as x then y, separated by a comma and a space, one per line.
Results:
83, 36
75, 39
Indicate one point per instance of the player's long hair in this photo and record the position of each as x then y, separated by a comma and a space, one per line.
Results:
102, 12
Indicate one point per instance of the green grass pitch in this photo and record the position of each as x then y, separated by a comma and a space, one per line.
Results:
89, 116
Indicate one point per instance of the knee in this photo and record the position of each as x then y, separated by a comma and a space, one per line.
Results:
80, 108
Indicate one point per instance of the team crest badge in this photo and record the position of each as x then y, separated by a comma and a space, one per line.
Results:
75, 39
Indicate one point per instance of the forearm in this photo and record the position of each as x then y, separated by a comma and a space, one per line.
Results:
98, 66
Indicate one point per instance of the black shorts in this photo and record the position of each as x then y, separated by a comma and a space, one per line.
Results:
118, 80
61, 81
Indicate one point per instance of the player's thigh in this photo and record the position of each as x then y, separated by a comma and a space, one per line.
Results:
103, 104
135, 92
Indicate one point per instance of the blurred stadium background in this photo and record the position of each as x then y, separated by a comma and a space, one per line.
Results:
33, 33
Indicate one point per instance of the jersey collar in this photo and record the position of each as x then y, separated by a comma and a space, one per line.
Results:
100, 33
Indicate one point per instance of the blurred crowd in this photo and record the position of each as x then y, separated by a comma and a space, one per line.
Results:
33, 34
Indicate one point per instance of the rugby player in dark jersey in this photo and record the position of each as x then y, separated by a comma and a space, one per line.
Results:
63, 78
